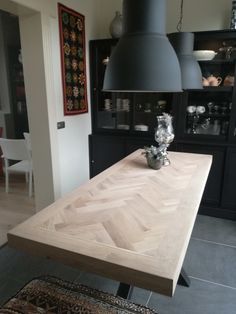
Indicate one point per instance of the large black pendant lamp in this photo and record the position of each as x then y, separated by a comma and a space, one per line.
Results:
183, 43
143, 60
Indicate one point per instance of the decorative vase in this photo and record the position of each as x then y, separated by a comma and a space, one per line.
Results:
233, 15
116, 26
154, 163
164, 135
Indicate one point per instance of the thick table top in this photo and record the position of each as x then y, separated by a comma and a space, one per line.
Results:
130, 223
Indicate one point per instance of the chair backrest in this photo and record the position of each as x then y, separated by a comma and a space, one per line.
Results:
14, 149
28, 141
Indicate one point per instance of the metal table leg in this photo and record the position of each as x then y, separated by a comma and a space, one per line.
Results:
124, 291
184, 279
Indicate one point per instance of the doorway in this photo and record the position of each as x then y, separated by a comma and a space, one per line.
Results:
13, 113
15, 206
34, 35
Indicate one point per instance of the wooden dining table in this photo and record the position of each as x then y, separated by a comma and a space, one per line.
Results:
129, 223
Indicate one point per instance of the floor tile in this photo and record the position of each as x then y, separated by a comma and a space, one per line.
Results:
205, 260
215, 229
7, 259
211, 262
98, 282
200, 298
9, 289
140, 296
24, 267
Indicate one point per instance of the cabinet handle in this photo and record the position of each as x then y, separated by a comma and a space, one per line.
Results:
92, 161
234, 131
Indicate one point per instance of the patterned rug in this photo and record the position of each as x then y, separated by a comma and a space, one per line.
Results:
51, 295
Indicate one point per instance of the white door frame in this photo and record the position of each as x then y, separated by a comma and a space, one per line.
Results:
35, 34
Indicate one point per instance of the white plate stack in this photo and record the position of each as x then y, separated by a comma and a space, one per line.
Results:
107, 104
141, 127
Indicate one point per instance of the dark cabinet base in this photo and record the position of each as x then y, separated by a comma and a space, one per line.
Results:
104, 151
212, 193
219, 198
229, 189
224, 213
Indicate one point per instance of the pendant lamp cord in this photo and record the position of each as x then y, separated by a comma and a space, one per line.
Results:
179, 25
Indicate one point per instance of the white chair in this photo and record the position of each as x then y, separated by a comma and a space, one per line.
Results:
28, 141
17, 150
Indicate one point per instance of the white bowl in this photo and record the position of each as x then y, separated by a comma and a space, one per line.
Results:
141, 127
203, 55
123, 126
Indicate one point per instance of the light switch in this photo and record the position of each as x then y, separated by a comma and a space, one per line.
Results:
61, 125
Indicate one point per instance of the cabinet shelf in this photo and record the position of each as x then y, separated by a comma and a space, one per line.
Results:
213, 115
205, 137
214, 89
216, 62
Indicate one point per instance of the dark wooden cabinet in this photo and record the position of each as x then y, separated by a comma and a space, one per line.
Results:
124, 122
229, 189
212, 193
104, 152
17, 92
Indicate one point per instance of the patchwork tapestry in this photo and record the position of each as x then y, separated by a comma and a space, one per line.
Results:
50, 295
73, 62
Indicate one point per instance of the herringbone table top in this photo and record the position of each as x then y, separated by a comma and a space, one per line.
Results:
130, 223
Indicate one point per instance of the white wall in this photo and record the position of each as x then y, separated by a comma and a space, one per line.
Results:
73, 151
107, 13
199, 15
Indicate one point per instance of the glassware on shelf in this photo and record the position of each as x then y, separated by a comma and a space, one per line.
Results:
194, 113
193, 129
160, 107
224, 108
139, 107
205, 124
224, 127
216, 109
216, 127
210, 106
200, 109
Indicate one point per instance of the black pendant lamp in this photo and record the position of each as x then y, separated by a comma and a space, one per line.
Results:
183, 43
143, 60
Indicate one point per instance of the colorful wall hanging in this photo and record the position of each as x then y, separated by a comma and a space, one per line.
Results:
73, 62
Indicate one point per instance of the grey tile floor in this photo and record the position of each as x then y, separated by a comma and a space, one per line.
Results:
210, 263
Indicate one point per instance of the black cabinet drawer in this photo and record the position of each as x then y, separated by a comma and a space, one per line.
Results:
212, 193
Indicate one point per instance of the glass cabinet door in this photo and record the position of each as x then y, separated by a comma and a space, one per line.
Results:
115, 110
146, 108
208, 113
